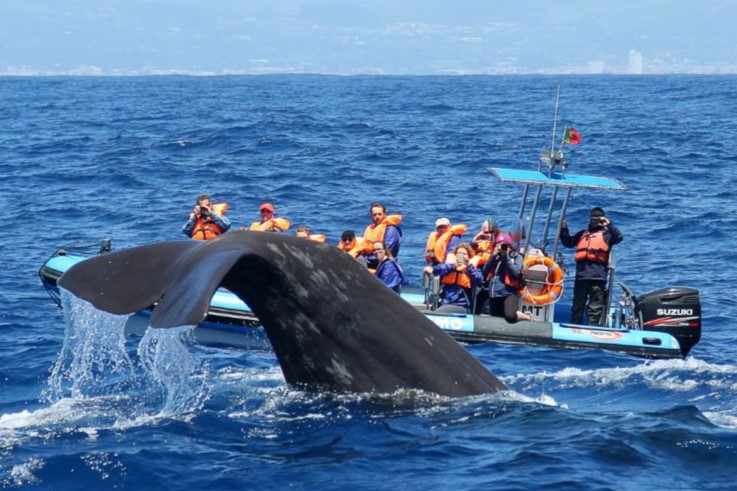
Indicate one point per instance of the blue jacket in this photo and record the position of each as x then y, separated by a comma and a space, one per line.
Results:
498, 267
455, 294
586, 269
393, 239
391, 274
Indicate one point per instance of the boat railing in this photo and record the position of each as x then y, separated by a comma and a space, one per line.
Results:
431, 286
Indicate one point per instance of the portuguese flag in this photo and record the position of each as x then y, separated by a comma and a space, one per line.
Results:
571, 136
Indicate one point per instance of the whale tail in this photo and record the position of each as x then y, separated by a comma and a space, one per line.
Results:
333, 326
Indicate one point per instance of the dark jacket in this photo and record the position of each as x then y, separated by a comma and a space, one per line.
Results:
587, 269
498, 267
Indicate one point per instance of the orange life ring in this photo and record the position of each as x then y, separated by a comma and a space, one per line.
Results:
553, 283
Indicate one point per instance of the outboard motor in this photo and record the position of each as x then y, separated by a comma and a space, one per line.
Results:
673, 310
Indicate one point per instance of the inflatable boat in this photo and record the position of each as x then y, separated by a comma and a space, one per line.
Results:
661, 324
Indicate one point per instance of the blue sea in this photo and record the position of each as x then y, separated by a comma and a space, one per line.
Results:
86, 158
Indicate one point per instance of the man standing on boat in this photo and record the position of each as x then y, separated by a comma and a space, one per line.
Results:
206, 221
385, 228
593, 247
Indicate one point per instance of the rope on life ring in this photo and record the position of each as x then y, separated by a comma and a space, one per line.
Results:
553, 282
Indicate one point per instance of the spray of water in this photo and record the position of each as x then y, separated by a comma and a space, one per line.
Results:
154, 375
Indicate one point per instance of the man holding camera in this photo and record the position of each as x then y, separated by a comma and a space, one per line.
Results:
593, 247
207, 221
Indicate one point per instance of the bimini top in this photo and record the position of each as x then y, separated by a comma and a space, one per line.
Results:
538, 178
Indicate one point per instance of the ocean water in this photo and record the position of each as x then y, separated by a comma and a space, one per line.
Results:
87, 158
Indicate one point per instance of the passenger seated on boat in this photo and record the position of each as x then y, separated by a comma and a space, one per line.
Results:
459, 279
206, 221
504, 278
304, 232
357, 247
269, 222
593, 247
446, 237
388, 270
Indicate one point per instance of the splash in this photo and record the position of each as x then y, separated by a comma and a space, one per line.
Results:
93, 358
176, 377
155, 375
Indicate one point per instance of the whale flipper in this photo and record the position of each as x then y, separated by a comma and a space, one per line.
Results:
333, 326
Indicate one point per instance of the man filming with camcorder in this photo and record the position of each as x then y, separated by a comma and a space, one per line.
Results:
206, 221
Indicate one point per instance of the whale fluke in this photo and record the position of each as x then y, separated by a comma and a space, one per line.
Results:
333, 326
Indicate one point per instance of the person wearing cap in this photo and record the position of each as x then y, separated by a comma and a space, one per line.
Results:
206, 221
268, 222
357, 247
384, 228
388, 270
504, 278
446, 237
593, 247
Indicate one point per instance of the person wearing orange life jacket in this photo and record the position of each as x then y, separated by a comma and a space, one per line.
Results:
446, 237
385, 228
504, 278
487, 239
459, 279
357, 247
268, 222
206, 221
304, 232
593, 247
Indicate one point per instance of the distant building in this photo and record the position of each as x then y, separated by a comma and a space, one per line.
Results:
635, 62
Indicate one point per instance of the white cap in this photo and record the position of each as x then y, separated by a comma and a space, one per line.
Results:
442, 222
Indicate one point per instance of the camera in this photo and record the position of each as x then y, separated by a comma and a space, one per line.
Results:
204, 211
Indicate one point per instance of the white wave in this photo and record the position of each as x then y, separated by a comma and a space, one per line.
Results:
722, 419
670, 375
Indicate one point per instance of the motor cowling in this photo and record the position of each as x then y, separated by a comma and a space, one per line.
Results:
673, 310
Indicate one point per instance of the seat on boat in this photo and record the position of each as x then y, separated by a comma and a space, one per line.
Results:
536, 278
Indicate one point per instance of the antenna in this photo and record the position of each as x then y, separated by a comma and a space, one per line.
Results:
555, 123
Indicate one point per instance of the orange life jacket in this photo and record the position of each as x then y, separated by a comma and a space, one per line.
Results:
437, 247
272, 225
360, 245
318, 237
207, 230
487, 244
480, 259
457, 277
375, 233
592, 247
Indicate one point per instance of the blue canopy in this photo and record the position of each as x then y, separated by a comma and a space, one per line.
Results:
556, 179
